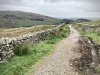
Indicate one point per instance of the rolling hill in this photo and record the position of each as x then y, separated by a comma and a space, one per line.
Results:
13, 19
96, 22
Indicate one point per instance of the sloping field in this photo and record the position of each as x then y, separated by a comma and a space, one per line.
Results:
14, 32
15, 19
97, 22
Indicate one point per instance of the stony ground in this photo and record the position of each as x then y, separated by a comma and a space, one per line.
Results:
58, 63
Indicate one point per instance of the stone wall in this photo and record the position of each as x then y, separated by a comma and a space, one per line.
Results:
87, 27
7, 44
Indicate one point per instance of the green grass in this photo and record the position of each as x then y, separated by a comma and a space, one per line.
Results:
22, 49
19, 65
94, 35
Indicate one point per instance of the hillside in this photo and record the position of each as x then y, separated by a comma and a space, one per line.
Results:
13, 19
97, 22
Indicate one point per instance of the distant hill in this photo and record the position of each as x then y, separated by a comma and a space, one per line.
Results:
80, 20
97, 22
70, 21
13, 19
67, 21
84, 20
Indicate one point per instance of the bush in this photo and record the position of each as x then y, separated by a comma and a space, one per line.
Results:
58, 35
21, 49
98, 33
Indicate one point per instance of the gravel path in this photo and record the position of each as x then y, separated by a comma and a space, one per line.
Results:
58, 63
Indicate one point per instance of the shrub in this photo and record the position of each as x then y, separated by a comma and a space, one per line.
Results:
98, 33
98, 68
60, 34
21, 49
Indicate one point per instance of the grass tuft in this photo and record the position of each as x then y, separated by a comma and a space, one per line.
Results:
22, 49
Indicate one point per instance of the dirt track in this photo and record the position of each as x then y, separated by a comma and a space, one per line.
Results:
58, 63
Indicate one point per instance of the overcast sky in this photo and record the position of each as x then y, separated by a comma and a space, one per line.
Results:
55, 8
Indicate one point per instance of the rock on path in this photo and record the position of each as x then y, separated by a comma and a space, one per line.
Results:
58, 63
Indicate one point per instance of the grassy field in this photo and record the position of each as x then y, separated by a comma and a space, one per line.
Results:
97, 22
20, 65
14, 32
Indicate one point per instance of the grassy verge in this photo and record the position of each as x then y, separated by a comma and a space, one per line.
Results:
94, 35
19, 65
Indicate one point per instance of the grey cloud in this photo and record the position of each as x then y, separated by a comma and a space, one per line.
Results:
9, 1
52, 1
56, 8
71, 0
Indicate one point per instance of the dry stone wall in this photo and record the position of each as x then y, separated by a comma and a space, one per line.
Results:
7, 44
87, 27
